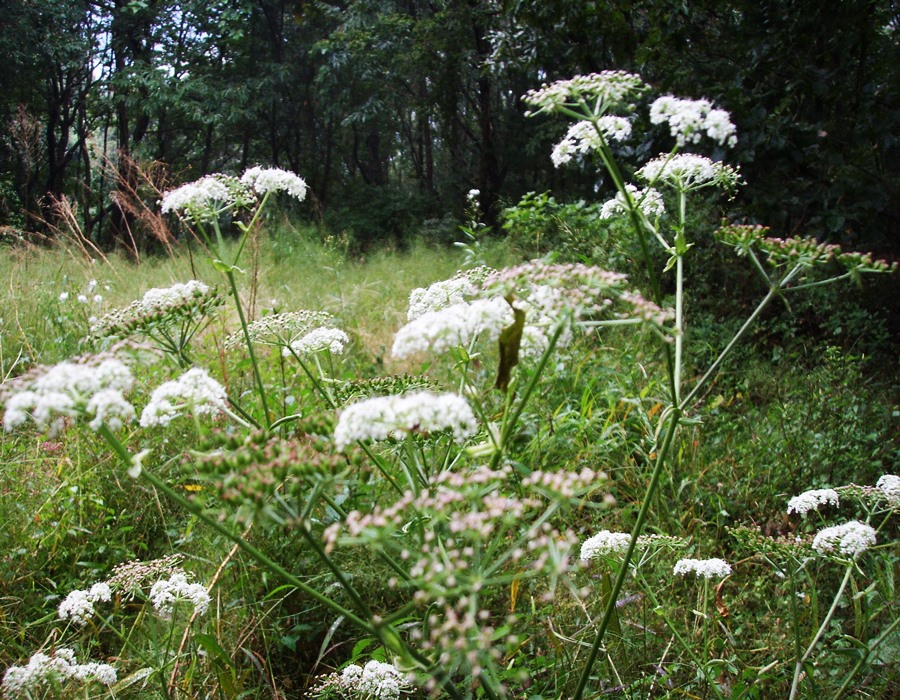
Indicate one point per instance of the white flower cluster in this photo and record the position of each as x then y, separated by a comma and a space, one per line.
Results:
204, 199
163, 298
688, 120
453, 326
395, 416
688, 171
72, 389
374, 681
281, 329
602, 91
604, 542
193, 391
78, 606
318, 339
850, 539
459, 288
649, 201
705, 568
811, 500
583, 137
44, 670
889, 485
264, 180
164, 594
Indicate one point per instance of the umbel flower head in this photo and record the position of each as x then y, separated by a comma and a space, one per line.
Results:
688, 171
689, 120
204, 200
44, 671
194, 391
265, 180
586, 136
889, 485
703, 568
78, 606
165, 593
463, 286
94, 387
849, 539
374, 681
331, 339
648, 201
421, 413
281, 329
601, 92
181, 306
811, 500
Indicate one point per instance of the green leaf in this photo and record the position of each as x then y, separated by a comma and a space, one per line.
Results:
510, 340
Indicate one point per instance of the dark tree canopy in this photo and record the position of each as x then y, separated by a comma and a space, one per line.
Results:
394, 109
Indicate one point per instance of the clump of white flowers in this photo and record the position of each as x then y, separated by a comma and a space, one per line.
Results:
374, 681
421, 412
78, 606
95, 387
44, 670
603, 91
689, 120
889, 485
194, 391
453, 326
317, 340
649, 201
688, 171
604, 542
281, 329
812, 500
166, 592
463, 286
586, 136
265, 180
703, 568
849, 539
203, 200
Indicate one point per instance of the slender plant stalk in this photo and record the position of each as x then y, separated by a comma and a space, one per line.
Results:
256, 375
798, 668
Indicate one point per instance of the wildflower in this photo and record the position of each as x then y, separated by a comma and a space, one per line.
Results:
131, 576
688, 120
649, 201
193, 391
78, 606
44, 670
396, 416
604, 542
603, 92
70, 389
265, 180
850, 539
178, 309
688, 171
705, 568
64, 296
318, 339
81, 299
203, 200
586, 136
453, 326
811, 500
281, 329
459, 288
375, 681
889, 485
165, 593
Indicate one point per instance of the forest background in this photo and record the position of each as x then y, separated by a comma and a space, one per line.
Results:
393, 110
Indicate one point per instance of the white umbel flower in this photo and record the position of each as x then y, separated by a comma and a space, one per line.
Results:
849, 539
688, 171
703, 568
649, 201
318, 339
811, 500
264, 180
604, 542
78, 606
396, 416
44, 670
584, 137
165, 593
194, 391
453, 326
889, 485
689, 120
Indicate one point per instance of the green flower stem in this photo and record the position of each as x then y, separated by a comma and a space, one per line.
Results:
659, 609
673, 422
127, 459
862, 659
256, 375
798, 668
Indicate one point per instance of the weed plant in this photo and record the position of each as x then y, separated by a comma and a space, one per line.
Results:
257, 469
